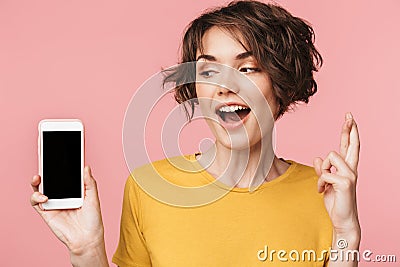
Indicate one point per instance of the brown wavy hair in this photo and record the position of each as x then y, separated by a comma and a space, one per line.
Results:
282, 44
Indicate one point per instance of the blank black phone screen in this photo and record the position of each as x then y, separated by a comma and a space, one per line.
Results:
62, 164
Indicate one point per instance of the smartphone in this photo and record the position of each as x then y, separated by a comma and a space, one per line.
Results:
61, 163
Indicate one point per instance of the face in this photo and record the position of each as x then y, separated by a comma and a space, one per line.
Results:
234, 93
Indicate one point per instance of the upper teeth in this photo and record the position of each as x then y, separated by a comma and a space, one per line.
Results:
231, 108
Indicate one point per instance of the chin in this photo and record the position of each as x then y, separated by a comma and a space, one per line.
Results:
236, 141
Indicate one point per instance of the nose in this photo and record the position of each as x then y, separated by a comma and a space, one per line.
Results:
228, 82
222, 90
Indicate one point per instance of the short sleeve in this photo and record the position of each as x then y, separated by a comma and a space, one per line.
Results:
131, 250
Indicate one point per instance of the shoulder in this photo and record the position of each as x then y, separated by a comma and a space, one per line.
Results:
300, 177
173, 165
302, 171
179, 170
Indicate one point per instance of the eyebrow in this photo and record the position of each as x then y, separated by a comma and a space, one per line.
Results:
238, 57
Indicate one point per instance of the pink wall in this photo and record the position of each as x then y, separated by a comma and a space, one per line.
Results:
86, 58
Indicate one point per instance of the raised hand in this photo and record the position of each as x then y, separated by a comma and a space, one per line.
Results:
339, 183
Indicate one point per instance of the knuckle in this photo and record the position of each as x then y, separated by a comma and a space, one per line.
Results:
353, 176
33, 199
320, 182
346, 183
323, 177
332, 154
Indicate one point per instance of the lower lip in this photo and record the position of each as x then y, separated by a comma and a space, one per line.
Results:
233, 125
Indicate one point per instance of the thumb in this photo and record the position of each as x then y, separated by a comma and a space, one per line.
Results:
317, 165
90, 183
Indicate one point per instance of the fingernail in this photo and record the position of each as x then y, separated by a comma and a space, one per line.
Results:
42, 197
349, 116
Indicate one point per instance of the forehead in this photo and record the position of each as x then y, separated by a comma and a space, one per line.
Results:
221, 43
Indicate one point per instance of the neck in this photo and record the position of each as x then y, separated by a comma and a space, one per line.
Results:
246, 168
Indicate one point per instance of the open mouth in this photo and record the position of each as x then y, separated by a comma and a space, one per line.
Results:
233, 113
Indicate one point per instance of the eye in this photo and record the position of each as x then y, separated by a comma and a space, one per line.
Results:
208, 73
249, 70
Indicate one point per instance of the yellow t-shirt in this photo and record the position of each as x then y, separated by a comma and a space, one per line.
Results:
282, 223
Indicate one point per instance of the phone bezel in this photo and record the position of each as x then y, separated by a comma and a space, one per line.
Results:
61, 125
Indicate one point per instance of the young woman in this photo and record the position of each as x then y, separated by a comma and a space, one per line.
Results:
273, 211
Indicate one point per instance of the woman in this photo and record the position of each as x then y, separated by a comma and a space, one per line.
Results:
272, 209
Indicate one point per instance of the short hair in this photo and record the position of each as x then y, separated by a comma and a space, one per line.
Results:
282, 44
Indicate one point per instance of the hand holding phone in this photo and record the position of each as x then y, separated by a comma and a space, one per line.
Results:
74, 227
81, 230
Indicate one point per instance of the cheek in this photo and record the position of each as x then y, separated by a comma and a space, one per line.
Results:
205, 100
199, 90
268, 92
271, 99
203, 90
205, 93
265, 86
273, 105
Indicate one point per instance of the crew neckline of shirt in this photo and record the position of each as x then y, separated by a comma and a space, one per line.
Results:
210, 178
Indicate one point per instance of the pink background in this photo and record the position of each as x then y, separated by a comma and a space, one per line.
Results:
85, 59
